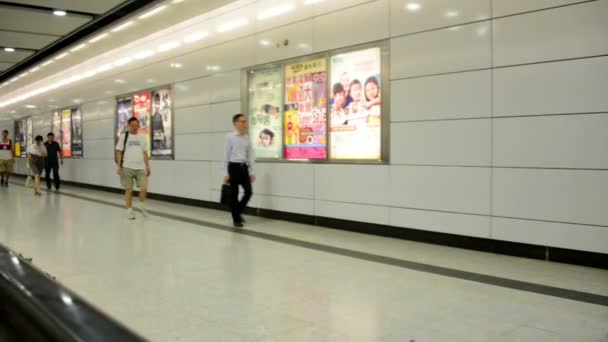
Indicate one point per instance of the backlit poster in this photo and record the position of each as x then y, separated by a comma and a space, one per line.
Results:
29, 126
305, 110
265, 128
124, 111
56, 126
161, 123
141, 111
66, 133
20, 148
76, 133
355, 122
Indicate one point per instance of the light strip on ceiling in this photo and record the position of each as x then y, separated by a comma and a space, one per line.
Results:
79, 47
122, 27
275, 11
98, 38
196, 37
61, 56
153, 12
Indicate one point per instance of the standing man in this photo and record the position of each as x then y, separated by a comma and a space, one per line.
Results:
51, 162
7, 158
133, 165
239, 167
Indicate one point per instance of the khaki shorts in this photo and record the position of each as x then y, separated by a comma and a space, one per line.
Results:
6, 165
130, 175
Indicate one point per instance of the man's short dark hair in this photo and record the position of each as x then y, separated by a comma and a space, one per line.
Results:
5, 131
51, 134
237, 116
39, 138
131, 120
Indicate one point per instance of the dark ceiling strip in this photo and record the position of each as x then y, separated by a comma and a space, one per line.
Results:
34, 33
46, 9
120, 11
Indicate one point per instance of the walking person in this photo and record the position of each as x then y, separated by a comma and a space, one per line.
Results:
133, 165
239, 167
52, 160
7, 158
35, 155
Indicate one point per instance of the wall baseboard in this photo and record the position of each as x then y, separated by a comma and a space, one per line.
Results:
554, 254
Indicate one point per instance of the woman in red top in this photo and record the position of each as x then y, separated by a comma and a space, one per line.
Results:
7, 157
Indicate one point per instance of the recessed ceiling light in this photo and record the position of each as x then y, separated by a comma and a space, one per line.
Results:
413, 6
311, 2
195, 37
9, 49
47, 63
104, 67
98, 38
122, 27
231, 25
144, 54
30, 106
177, 1
275, 11
81, 46
168, 46
123, 61
35, 69
153, 12
265, 42
451, 14
176, 65
61, 56
59, 13
119, 81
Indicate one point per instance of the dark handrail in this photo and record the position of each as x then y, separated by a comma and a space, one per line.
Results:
34, 307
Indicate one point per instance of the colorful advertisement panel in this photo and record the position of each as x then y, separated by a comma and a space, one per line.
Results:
265, 126
66, 133
56, 126
355, 122
141, 111
124, 111
76, 133
20, 148
161, 123
306, 110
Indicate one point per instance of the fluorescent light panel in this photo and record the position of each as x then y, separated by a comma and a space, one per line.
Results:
275, 11
122, 27
98, 38
153, 12
231, 25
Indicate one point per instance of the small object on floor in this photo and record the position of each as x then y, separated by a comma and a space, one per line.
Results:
238, 224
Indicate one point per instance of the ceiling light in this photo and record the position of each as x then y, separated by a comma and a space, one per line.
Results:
196, 37
213, 68
24, 74
265, 42
119, 81
151, 80
168, 46
144, 54
30, 106
61, 56
413, 6
123, 61
59, 13
47, 63
276, 11
81, 46
104, 68
177, 1
122, 27
90, 73
153, 12
451, 14
13, 111
231, 25
35, 69
311, 2
176, 65
98, 38
9, 49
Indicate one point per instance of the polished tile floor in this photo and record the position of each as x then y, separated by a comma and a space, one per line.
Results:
181, 279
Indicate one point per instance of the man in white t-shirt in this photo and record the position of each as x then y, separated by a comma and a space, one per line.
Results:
133, 165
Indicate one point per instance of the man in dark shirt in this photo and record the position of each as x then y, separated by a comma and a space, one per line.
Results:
52, 161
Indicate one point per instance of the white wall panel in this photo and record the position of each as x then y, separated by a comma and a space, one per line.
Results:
435, 14
191, 93
352, 183
355, 25
225, 86
217, 176
324, 7
460, 224
216, 143
231, 56
193, 119
297, 14
298, 35
576, 86
278, 179
98, 110
452, 96
568, 196
195, 146
560, 33
454, 189
285, 204
571, 236
183, 179
562, 141
508, 7
352, 212
98, 129
221, 114
457, 142
458, 48
99, 149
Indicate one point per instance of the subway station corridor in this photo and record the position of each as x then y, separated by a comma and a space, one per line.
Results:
184, 274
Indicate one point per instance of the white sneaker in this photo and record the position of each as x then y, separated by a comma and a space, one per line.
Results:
130, 214
143, 210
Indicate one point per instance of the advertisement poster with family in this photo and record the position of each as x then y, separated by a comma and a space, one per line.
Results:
265, 119
162, 142
306, 110
76, 133
355, 130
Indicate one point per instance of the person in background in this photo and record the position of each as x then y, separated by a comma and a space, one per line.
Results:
372, 97
133, 165
52, 160
35, 155
7, 158
239, 167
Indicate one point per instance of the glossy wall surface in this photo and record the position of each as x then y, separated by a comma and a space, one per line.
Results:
498, 116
